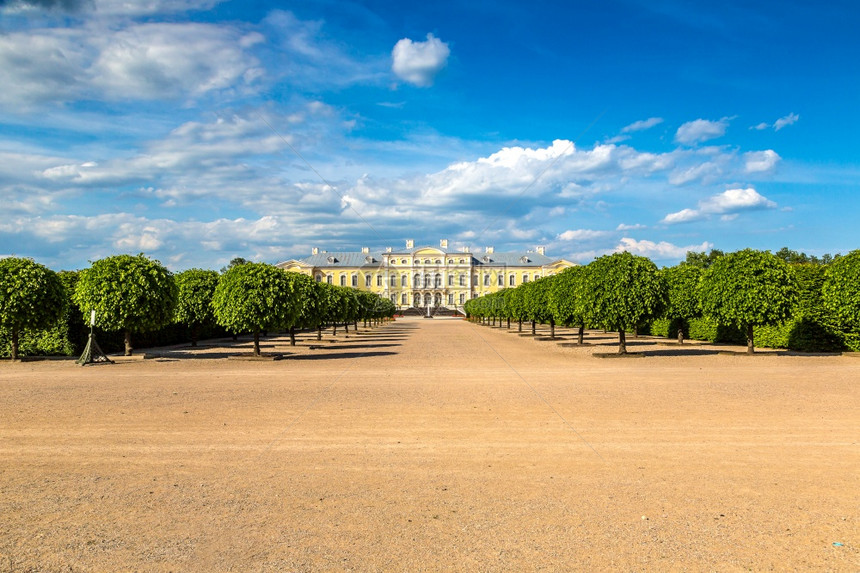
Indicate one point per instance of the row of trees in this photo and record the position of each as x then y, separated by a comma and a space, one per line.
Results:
746, 289
135, 294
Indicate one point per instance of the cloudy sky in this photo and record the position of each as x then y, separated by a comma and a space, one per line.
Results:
196, 131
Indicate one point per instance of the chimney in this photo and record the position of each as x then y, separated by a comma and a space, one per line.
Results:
387, 249
315, 251
489, 250
365, 250
443, 243
410, 244
541, 250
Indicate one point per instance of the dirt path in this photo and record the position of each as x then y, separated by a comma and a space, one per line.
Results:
432, 445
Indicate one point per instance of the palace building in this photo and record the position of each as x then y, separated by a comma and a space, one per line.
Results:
428, 276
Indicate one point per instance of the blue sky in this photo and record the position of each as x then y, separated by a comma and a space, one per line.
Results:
196, 131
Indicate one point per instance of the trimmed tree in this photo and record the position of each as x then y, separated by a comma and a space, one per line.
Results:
748, 288
31, 296
621, 291
128, 293
682, 284
195, 288
256, 297
308, 295
841, 295
515, 306
565, 299
537, 303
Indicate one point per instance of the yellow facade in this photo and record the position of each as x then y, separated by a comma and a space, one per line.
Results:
427, 276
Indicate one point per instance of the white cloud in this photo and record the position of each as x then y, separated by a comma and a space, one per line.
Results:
110, 7
700, 130
635, 227
761, 161
155, 61
418, 63
135, 62
642, 124
582, 235
658, 250
790, 119
727, 203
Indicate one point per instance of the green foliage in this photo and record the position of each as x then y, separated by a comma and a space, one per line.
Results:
682, 284
622, 291
669, 327
31, 295
536, 297
748, 288
795, 258
131, 293
702, 260
841, 291
234, 262
256, 297
703, 328
515, 304
195, 288
307, 296
566, 296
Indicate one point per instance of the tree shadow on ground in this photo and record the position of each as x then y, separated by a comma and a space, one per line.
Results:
336, 356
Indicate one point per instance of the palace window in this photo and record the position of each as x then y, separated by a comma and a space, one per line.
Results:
486, 280
427, 281
501, 281
342, 280
525, 278
318, 278
404, 282
354, 280
462, 298
450, 280
512, 280
394, 280
379, 280
438, 280
451, 298
416, 281
403, 299
367, 280
328, 279
462, 280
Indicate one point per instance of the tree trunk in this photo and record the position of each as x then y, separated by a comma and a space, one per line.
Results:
334, 329
256, 343
292, 336
520, 326
195, 334
581, 334
14, 343
552, 328
235, 337
128, 347
622, 341
319, 332
680, 336
509, 323
750, 342
533, 328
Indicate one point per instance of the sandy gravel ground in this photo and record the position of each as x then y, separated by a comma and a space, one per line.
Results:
432, 445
